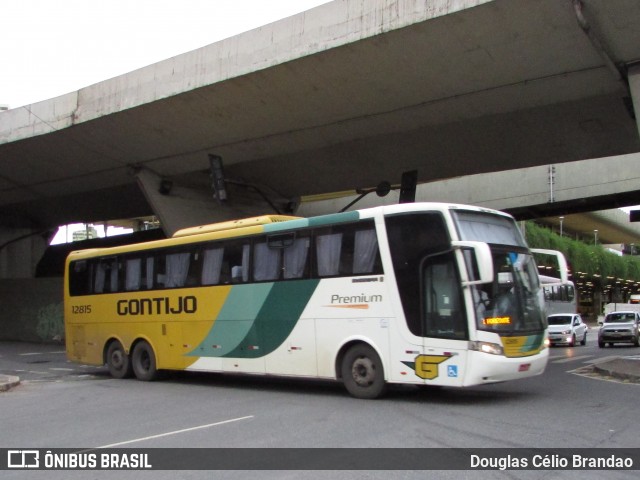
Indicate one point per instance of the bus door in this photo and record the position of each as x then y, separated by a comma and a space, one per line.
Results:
444, 321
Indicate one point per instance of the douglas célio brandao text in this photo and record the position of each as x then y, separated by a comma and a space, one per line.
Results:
550, 462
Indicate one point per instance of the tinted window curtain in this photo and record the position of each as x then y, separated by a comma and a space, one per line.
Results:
177, 269
295, 258
246, 250
328, 249
149, 278
365, 251
212, 265
132, 277
114, 276
266, 262
101, 271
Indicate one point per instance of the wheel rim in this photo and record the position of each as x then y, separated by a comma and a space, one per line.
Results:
118, 359
363, 372
145, 361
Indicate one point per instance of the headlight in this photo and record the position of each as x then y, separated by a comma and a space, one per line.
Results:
566, 332
486, 347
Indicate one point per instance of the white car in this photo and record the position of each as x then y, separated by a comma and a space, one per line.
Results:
567, 329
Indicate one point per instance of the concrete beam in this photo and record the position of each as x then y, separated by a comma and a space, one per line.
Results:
513, 189
536, 192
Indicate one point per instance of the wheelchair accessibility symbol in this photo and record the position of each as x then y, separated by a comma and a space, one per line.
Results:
452, 370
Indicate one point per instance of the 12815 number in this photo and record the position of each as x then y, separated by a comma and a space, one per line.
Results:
81, 309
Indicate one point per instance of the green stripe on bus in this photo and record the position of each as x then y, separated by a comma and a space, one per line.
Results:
320, 221
235, 320
334, 218
277, 318
288, 225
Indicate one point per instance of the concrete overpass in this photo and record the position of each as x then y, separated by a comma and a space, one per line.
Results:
577, 191
352, 91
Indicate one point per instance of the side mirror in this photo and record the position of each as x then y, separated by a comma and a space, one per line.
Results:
561, 262
478, 260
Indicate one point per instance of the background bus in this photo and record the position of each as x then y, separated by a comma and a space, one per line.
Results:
559, 296
414, 293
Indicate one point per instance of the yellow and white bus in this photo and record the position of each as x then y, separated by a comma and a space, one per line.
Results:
420, 293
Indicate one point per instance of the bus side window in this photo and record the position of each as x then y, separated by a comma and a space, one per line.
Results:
296, 259
106, 276
328, 250
350, 249
177, 269
212, 266
235, 262
444, 315
80, 278
365, 252
149, 273
133, 274
267, 262
411, 237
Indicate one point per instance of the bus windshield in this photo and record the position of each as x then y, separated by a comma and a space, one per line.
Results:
511, 303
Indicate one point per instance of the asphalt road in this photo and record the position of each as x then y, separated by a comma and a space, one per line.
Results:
60, 404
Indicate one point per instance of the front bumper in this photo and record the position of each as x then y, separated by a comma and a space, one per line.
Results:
616, 337
560, 339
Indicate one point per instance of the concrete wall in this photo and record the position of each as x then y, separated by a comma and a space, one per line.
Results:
32, 310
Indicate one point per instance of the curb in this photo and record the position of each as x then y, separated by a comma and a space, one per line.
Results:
620, 368
7, 382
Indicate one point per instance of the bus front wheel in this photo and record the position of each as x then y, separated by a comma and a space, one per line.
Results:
118, 361
143, 361
362, 372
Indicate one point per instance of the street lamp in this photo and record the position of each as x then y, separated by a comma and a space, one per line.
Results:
595, 237
561, 220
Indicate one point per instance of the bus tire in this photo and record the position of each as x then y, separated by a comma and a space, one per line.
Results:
363, 373
118, 361
143, 361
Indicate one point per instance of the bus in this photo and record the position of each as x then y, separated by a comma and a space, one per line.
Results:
559, 292
420, 293
560, 296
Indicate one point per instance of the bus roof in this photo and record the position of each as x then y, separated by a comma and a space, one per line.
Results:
232, 224
269, 224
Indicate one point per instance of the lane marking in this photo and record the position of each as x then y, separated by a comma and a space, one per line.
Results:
176, 432
27, 354
572, 359
603, 359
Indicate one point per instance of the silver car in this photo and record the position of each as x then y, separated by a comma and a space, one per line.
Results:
620, 327
567, 329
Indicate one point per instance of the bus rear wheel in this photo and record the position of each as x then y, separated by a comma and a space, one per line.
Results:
118, 361
362, 372
143, 361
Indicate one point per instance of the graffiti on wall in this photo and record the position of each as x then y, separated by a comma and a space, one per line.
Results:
50, 324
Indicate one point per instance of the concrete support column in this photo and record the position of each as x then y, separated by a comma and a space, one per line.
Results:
180, 207
634, 86
20, 251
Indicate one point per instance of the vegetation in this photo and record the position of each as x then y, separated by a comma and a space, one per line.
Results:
593, 260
